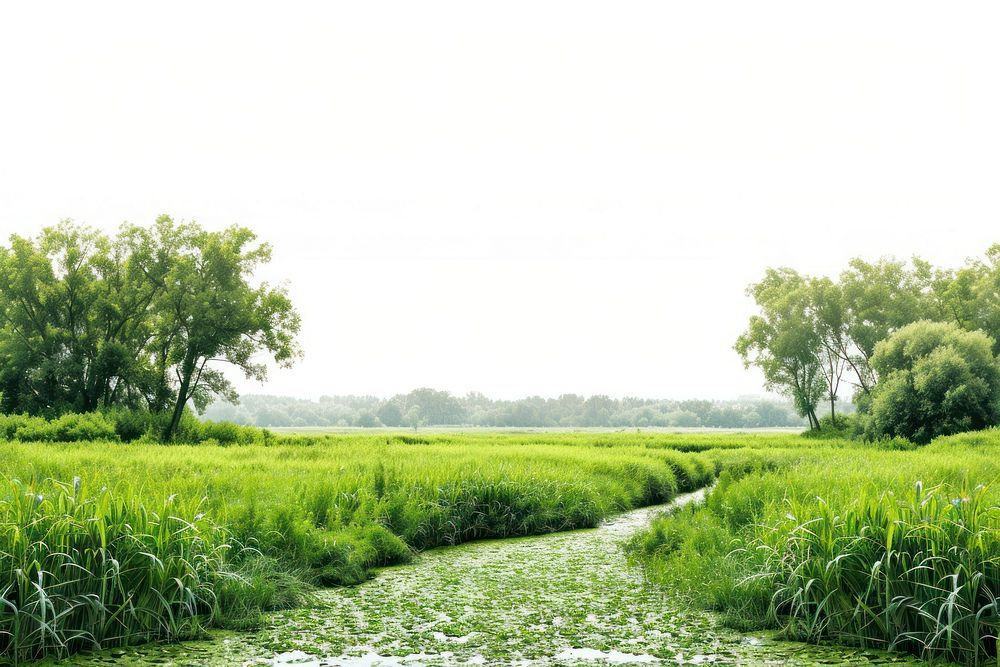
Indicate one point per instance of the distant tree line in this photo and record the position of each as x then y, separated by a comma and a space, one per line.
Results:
914, 345
430, 407
136, 321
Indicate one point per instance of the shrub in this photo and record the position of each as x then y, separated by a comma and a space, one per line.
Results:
126, 426
228, 433
843, 426
935, 379
130, 424
71, 427
75, 427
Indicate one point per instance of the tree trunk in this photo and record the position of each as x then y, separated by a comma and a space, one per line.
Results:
833, 413
187, 370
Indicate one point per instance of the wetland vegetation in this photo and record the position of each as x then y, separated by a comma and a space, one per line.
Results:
216, 534
126, 519
204, 536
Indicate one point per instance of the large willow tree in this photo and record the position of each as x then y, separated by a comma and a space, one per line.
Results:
143, 319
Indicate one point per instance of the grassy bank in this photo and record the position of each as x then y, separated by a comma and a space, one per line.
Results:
102, 543
108, 542
884, 549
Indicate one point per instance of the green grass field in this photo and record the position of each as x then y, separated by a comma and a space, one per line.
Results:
897, 550
107, 543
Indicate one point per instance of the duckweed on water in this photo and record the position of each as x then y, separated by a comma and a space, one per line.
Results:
567, 598
330, 510
325, 511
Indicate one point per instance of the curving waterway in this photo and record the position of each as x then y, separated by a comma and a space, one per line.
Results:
561, 599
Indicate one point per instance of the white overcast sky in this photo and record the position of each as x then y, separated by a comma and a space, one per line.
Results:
518, 197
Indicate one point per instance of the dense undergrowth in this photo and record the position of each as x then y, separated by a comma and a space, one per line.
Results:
119, 425
860, 545
151, 541
81, 570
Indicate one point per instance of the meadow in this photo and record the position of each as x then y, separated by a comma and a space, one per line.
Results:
106, 543
879, 548
891, 546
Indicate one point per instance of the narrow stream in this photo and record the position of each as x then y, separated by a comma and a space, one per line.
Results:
565, 598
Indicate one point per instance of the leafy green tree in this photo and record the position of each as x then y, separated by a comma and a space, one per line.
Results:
970, 296
210, 312
597, 410
568, 409
76, 310
696, 406
935, 379
368, 420
414, 417
89, 321
434, 407
828, 311
782, 340
390, 413
880, 298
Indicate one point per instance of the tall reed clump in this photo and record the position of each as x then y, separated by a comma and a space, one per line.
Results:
916, 572
80, 570
843, 544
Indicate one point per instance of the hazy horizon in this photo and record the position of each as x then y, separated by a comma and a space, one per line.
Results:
759, 396
538, 199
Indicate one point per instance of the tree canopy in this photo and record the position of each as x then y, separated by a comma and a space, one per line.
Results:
783, 340
139, 320
936, 379
812, 336
439, 408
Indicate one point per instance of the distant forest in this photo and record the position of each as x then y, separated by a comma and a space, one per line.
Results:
429, 407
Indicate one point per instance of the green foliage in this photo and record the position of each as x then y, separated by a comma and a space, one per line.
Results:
912, 571
475, 409
865, 556
883, 296
287, 514
813, 331
254, 584
210, 311
698, 544
833, 428
125, 426
783, 340
936, 379
226, 433
73, 309
69, 427
81, 569
91, 322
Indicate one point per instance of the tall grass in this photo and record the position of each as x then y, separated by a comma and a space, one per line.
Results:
888, 549
210, 534
915, 571
81, 569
